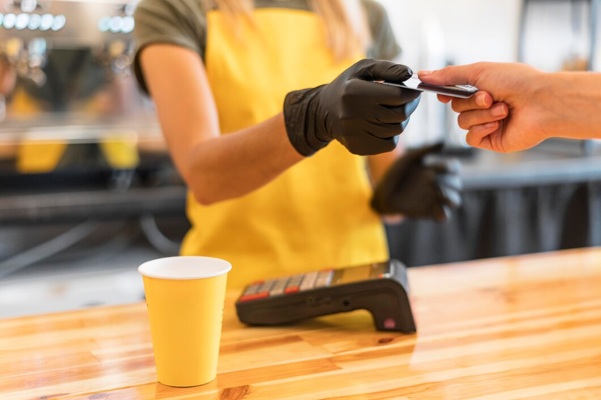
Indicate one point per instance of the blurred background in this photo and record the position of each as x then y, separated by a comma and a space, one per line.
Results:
87, 191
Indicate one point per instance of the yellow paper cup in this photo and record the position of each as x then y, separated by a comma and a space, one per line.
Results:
185, 297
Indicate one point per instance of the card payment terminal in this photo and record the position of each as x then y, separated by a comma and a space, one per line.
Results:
379, 288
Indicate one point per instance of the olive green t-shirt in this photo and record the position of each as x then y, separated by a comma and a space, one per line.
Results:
183, 23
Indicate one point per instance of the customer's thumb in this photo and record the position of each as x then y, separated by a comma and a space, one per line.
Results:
452, 75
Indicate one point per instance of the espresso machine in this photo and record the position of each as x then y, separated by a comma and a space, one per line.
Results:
84, 172
69, 103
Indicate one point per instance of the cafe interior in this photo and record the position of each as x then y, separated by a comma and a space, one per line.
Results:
502, 301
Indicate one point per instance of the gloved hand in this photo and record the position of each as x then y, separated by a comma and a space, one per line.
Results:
365, 116
419, 188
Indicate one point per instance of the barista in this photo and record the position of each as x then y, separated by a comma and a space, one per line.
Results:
279, 192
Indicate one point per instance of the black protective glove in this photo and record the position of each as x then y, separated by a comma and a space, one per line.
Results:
419, 188
365, 116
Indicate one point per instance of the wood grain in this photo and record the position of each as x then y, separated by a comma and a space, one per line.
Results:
506, 328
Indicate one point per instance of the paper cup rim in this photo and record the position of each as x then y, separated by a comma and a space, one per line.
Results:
184, 267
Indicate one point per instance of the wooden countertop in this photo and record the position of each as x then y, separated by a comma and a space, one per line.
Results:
507, 328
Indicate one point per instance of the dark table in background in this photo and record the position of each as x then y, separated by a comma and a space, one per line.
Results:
544, 199
548, 198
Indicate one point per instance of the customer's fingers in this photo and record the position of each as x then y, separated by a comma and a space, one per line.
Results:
468, 119
480, 135
479, 101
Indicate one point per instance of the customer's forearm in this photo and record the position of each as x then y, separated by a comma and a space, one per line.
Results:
574, 100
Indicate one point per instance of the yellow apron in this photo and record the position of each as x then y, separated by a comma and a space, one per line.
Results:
314, 215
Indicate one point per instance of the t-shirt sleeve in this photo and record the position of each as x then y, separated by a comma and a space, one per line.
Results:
177, 22
384, 45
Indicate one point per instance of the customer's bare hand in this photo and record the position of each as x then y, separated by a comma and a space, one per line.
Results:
508, 112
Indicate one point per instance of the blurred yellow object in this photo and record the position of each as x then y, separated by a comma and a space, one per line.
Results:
39, 156
575, 63
120, 153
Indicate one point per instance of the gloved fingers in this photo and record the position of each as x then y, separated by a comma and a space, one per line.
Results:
415, 155
367, 145
397, 114
376, 129
452, 181
442, 213
381, 70
387, 130
365, 113
405, 95
450, 196
429, 149
453, 166
404, 125
403, 164
369, 92
443, 166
